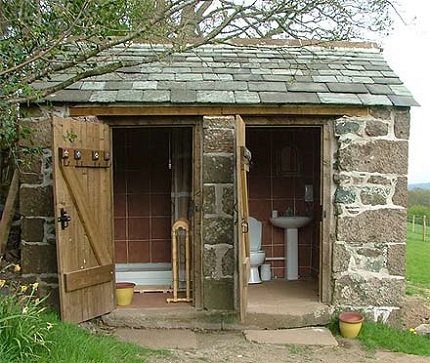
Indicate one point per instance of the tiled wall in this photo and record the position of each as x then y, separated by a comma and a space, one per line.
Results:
142, 204
271, 189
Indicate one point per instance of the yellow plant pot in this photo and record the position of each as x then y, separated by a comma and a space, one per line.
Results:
124, 292
350, 324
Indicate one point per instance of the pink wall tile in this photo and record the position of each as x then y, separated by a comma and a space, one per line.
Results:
139, 205
121, 251
139, 251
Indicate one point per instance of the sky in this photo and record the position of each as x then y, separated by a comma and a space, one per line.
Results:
407, 52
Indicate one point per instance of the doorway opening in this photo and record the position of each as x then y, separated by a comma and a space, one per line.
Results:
285, 180
152, 189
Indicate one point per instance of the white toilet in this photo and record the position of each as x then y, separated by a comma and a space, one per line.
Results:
257, 256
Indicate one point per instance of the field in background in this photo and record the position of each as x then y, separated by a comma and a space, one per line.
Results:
418, 261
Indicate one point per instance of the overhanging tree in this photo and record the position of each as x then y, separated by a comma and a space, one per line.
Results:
41, 37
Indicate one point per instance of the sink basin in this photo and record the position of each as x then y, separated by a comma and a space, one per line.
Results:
290, 222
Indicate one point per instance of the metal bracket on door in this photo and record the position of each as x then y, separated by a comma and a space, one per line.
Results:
245, 226
64, 218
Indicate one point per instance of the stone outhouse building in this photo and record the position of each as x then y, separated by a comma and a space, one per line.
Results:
128, 153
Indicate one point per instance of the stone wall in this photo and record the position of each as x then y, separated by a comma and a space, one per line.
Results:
38, 250
218, 227
370, 201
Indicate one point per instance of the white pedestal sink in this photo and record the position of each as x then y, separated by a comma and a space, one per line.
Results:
291, 227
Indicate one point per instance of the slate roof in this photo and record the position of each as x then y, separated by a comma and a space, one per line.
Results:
348, 74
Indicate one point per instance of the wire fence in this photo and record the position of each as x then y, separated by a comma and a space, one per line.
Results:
418, 227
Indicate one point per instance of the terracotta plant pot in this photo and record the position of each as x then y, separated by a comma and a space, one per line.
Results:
350, 324
124, 292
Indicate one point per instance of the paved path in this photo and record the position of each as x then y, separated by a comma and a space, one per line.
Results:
257, 346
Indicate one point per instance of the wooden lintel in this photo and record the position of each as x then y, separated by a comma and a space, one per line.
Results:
129, 110
80, 279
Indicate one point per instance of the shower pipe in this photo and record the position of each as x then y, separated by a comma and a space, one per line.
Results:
181, 223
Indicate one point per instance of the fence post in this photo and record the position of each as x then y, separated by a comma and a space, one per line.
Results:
413, 223
424, 227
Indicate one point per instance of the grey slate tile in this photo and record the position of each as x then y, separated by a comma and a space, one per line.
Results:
261, 71
301, 97
188, 77
156, 96
245, 97
339, 98
386, 80
307, 87
109, 77
358, 67
272, 97
183, 96
248, 77
400, 90
215, 97
288, 71
119, 85
70, 96
267, 86
167, 85
145, 85
231, 70
346, 88
130, 96
402, 101
217, 77
103, 96
379, 89
151, 69
175, 70
278, 78
362, 80
76, 85
374, 100
161, 77
324, 79
231, 86
133, 69
200, 85
44, 85
93, 85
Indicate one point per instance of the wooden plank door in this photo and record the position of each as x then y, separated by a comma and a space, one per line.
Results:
242, 167
83, 211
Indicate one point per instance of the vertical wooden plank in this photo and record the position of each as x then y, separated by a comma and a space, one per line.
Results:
243, 214
196, 220
325, 192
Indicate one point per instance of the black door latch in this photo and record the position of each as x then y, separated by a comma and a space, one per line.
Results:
64, 218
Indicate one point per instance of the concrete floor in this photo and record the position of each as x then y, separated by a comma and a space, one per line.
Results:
280, 303
283, 296
274, 304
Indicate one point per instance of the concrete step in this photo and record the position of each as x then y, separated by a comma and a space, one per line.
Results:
186, 317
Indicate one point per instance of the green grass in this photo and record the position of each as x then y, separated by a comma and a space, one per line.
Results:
377, 335
71, 344
417, 263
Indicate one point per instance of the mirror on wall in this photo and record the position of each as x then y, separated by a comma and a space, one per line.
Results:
288, 161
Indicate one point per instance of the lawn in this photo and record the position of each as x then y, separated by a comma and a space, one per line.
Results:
69, 343
417, 261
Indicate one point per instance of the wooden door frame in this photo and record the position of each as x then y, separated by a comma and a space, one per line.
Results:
195, 124
326, 137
